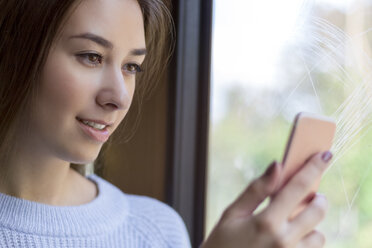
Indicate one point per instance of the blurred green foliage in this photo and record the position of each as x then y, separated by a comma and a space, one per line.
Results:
246, 140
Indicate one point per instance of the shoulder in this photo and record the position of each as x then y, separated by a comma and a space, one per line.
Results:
162, 219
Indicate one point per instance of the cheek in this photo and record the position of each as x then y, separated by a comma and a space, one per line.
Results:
63, 87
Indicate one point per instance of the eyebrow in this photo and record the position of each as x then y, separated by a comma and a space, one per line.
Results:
107, 44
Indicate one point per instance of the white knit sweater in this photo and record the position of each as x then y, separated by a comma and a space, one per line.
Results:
112, 220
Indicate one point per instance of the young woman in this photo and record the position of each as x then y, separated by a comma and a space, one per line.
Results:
67, 79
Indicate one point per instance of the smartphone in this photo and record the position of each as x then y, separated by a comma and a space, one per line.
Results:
310, 134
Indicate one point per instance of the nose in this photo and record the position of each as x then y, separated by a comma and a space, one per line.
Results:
114, 92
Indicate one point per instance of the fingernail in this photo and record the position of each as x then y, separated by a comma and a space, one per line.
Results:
269, 171
326, 156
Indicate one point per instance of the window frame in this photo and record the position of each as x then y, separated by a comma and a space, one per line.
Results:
189, 98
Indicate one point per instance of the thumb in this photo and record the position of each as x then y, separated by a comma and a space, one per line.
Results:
255, 193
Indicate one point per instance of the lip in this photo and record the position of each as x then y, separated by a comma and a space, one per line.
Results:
96, 121
97, 135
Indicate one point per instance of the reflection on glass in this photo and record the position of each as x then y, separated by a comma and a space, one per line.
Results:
271, 60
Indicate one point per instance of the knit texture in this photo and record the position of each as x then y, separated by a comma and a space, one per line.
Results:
113, 219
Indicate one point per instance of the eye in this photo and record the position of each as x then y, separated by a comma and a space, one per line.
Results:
132, 68
92, 58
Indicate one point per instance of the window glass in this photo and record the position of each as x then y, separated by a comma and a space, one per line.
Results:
272, 59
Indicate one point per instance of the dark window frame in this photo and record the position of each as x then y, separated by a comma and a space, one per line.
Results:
189, 97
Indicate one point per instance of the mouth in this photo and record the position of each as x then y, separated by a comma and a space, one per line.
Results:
93, 124
97, 131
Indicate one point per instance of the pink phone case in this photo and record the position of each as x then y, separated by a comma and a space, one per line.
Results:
311, 133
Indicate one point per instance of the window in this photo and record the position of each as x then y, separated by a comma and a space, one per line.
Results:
272, 59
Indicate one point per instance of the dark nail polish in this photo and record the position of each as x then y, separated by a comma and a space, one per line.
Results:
270, 169
326, 156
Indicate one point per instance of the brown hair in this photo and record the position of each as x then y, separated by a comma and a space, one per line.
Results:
28, 29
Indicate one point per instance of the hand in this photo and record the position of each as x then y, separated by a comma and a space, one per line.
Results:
239, 227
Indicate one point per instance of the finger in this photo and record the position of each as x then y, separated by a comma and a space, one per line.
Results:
308, 218
299, 208
299, 186
312, 240
255, 193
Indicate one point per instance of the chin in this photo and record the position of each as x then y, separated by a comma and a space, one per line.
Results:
82, 157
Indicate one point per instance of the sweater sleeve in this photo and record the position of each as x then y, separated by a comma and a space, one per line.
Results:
164, 219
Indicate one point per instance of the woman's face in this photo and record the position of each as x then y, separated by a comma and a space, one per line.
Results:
90, 75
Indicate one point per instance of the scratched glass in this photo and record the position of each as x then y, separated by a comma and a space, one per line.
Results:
272, 59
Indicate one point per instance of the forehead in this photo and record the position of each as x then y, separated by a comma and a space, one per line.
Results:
119, 21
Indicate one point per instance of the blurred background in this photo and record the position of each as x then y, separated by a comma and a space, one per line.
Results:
272, 59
